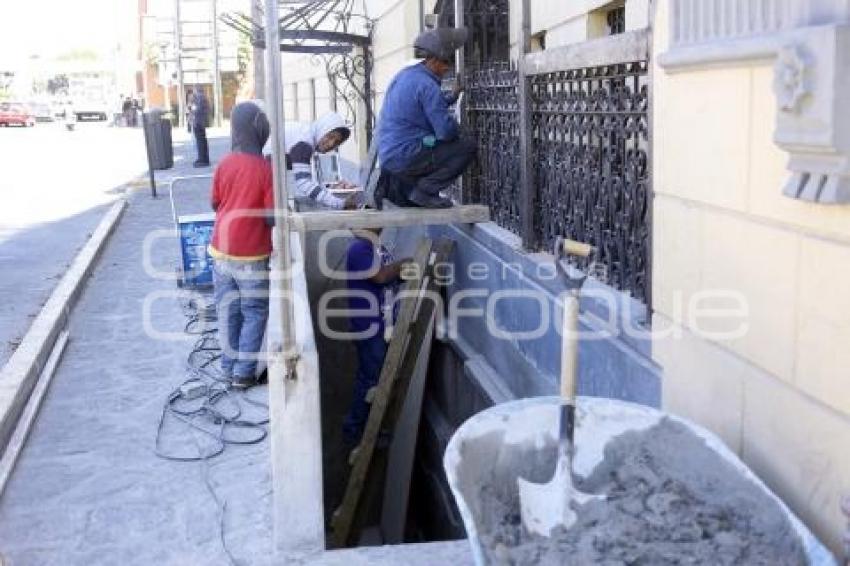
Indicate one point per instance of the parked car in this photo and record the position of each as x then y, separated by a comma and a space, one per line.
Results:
12, 113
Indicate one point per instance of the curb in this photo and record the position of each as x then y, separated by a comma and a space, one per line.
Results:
20, 374
25, 421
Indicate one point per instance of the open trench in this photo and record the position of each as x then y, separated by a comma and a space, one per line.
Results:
449, 399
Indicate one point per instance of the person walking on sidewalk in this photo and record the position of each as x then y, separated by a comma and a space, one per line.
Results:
243, 200
200, 109
373, 279
419, 143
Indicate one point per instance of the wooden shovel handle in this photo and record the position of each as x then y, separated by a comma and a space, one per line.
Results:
569, 350
576, 248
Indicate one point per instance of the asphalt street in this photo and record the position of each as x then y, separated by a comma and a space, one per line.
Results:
55, 185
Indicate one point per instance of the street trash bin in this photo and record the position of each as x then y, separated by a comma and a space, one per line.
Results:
158, 139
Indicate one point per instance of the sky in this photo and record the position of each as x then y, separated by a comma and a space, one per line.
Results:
52, 27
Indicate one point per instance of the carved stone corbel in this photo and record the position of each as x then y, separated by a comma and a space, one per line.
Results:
791, 82
812, 87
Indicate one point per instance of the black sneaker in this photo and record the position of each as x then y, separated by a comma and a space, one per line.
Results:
425, 200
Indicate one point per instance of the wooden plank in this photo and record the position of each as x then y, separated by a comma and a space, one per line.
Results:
374, 482
403, 447
344, 516
358, 219
30, 412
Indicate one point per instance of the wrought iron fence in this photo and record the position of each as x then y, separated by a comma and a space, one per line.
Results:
589, 154
590, 141
492, 118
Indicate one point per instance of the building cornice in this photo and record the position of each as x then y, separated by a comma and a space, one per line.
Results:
811, 65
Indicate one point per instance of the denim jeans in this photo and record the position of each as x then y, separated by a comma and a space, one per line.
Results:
242, 303
370, 360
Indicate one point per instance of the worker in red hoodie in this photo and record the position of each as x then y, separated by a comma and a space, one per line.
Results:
243, 200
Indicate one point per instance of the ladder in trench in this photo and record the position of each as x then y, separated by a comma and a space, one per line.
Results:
411, 336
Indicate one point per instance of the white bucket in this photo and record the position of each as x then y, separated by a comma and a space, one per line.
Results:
534, 421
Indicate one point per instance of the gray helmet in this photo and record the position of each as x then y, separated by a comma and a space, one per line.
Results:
441, 42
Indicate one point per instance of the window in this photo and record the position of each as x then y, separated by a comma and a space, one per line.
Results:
616, 19
538, 41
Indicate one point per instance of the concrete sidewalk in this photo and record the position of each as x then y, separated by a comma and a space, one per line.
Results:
88, 488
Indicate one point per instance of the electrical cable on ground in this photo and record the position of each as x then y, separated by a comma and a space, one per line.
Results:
206, 406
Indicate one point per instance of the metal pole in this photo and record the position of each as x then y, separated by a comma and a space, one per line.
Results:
650, 154
282, 268
460, 59
367, 98
528, 186
178, 58
167, 79
216, 67
259, 70
460, 54
146, 118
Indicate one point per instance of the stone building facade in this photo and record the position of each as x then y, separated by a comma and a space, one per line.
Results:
752, 150
750, 226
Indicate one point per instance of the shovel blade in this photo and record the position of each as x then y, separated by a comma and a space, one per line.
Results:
546, 506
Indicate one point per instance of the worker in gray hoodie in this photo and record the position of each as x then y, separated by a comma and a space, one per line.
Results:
303, 140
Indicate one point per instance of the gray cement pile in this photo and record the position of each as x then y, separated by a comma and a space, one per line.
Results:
669, 500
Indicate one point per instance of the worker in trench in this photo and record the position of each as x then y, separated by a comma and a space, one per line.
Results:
373, 281
419, 143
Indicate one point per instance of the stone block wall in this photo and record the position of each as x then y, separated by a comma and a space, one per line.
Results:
778, 392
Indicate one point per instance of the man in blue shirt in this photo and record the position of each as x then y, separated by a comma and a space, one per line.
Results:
373, 280
419, 143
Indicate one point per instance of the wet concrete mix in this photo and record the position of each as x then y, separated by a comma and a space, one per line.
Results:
670, 499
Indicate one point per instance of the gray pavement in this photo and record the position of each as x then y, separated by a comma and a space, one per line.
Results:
88, 488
